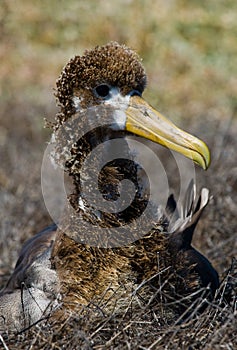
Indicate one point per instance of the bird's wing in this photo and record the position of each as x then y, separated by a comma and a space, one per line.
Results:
34, 258
190, 212
181, 234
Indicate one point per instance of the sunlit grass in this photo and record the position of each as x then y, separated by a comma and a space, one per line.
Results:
189, 48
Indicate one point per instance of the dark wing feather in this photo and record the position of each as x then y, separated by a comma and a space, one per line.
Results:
181, 234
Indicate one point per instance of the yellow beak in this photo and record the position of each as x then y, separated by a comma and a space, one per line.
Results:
145, 121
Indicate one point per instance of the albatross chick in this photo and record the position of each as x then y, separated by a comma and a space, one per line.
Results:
105, 257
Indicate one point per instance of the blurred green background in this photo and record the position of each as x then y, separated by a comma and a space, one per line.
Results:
189, 50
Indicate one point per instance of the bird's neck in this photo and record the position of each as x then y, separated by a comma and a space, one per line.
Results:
106, 186
107, 181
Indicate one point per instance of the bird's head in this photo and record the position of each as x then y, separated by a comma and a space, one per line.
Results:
113, 76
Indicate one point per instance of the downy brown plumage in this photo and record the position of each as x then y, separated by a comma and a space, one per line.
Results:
78, 261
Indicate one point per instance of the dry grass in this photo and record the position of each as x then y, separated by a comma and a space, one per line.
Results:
189, 51
141, 326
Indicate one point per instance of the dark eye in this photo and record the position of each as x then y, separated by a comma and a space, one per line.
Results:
102, 90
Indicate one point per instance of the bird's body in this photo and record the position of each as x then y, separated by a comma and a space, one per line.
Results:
100, 256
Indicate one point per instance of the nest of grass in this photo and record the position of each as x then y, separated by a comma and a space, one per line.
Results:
141, 326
